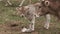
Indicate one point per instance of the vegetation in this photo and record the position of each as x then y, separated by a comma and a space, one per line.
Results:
8, 14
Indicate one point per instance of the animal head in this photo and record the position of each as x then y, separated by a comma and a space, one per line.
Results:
43, 7
22, 10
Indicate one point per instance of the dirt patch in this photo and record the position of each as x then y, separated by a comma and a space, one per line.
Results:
12, 25
15, 27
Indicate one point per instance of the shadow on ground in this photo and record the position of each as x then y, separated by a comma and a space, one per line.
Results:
14, 27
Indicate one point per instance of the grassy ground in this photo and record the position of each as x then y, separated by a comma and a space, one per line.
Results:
10, 23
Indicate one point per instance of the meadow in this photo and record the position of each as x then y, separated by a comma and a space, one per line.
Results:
11, 23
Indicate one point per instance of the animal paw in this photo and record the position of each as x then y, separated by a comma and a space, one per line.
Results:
26, 30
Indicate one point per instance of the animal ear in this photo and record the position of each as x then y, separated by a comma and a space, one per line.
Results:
47, 3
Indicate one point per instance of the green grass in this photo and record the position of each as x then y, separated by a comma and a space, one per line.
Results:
8, 14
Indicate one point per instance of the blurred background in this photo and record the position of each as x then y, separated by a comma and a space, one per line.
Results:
11, 23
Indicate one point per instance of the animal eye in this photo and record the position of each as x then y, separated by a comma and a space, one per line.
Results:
39, 6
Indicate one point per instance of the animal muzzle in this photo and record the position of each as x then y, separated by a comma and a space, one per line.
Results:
22, 15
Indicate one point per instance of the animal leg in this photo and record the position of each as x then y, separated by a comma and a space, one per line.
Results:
31, 26
33, 23
47, 22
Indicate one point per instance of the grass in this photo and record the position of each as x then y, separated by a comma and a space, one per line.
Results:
9, 14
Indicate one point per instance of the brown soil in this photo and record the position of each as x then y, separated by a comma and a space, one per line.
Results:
10, 26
